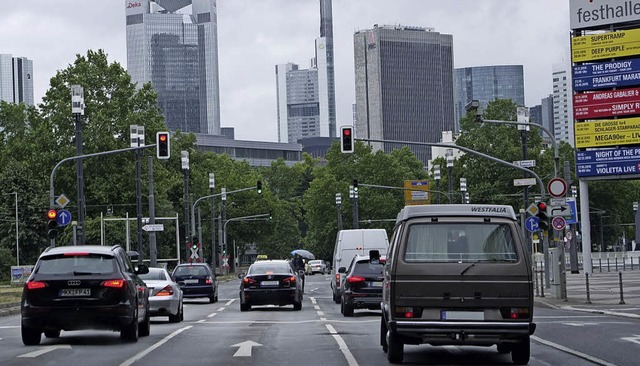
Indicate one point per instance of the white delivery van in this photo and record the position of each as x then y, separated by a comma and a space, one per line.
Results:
349, 243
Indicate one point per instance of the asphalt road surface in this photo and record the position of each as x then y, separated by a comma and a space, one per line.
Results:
219, 334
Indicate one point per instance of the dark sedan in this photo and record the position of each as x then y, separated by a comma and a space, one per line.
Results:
271, 282
196, 280
362, 284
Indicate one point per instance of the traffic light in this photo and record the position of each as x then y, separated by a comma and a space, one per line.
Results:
52, 224
259, 186
346, 139
163, 150
543, 218
355, 185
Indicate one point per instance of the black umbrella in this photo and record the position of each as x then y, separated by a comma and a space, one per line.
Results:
303, 253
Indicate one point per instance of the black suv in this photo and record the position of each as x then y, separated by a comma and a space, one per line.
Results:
362, 283
85, 287
196, 280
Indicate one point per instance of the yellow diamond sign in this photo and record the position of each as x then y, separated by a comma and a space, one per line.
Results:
62, 201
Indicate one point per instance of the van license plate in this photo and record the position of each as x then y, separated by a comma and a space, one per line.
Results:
70, 292
462, 315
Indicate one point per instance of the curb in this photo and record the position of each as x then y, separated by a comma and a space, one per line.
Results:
10, 308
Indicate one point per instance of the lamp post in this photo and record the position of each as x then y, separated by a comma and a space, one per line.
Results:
436, 176
212, 186
339, 208
353, 195
136, 134
463, 189
450, 171
77, 109
636, 215
184, 159
523, 128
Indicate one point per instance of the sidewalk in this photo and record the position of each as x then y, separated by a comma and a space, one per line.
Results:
604, 293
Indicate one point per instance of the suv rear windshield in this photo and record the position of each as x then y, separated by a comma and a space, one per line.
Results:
76, 264
460, 242
366, 268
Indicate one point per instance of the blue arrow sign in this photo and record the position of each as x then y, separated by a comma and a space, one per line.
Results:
573, 219
531, 223
64, 217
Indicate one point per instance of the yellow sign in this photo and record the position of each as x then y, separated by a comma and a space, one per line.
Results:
607, 133
605, 45
416, 192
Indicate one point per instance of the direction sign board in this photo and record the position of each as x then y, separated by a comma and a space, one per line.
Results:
557, 201
524, 182
562, 210
619, 161
153, 227
63, 218
557, 187
558, 222
525, 163
532, 223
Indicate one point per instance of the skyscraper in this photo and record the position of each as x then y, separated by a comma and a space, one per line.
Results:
16, 79
487, 83
178, 53
562, 104
306, 97
404, 86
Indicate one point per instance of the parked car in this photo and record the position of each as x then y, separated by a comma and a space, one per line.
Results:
317, 266
165, 295
362, 283
271, 282
196, 280
85, 287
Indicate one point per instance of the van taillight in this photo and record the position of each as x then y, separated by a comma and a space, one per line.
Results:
208, 280
34, 285
519, 313
408, 312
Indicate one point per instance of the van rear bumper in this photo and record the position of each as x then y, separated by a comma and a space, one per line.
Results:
446, 329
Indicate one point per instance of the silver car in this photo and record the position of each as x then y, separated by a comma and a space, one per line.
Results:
165, 295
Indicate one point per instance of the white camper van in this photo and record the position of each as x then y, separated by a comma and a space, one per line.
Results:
349, 243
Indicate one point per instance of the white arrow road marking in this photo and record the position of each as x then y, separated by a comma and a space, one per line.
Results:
245, 348
634, 339
44, 350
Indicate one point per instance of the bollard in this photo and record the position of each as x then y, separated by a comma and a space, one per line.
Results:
621, 290
535, 277
600, 260
616, 264
541, 283
586, 275
624, 263
608, 265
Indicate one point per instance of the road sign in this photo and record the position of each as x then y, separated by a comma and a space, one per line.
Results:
557, 187
571, 202
524, 182
569, 235
532, 224
63, 218
153, 227
562, 210
532, 209
559, 201
558, 222
62, 201
525, 163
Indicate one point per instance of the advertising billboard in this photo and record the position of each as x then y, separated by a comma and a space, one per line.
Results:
607, 133
609, 103
605, 45
603, 162
591, 14
602, 75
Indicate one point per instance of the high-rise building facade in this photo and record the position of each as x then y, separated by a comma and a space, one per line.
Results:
306, 97
404, 86
178, 53
485, 84
16, 79
562, 104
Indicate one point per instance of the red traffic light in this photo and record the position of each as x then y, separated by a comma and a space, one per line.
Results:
346, 131
162, 137
542, 206
52, 214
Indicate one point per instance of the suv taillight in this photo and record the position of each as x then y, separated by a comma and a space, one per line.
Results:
114, 283
166, 291
355, 279
34, 285
208, 280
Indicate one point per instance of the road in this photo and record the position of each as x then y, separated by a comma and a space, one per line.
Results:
219, 334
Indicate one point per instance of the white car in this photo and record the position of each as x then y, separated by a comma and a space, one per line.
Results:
317, 266
165, 295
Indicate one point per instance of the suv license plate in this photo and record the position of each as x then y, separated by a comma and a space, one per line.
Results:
70, 292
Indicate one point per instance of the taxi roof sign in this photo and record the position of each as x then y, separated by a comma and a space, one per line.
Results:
502, 211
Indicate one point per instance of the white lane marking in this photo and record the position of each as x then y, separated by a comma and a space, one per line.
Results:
158, 344
573, 352
316, 307
323, 319
607, 312
290, 322
230, 302
313, 300
634, 339
244, 349
576, 324
343, 346
44, 350
320, 313
221, 309
10, 327
212, 315
201, 321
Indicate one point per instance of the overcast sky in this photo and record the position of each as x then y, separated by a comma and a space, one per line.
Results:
255, 35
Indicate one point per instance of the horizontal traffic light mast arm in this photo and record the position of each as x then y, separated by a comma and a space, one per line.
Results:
193, 207
465, 149
53, 172
405, 189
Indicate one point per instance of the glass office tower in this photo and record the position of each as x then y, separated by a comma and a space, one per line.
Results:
16, 79
404, 86
177, 52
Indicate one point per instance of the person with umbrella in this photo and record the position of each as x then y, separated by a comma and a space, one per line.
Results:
298, 264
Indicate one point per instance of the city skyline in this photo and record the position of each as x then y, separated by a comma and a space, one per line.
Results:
253, 37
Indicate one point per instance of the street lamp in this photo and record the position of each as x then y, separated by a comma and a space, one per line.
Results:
184, 159
353, 195
463, 188
77, 109
338, 207
212, 186
436, 176
450, 170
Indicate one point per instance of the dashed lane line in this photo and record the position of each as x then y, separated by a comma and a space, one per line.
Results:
313, 300
212, 315
562, 348
230, 302
343, 346
153, 347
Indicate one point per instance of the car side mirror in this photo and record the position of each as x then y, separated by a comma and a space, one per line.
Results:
342, 270
142, 269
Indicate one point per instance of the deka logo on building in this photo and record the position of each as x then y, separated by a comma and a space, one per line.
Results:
133, 5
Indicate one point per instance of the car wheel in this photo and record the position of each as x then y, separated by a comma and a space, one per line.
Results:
176, 318
145, 327
130, 332
347, 309
395, 348
245, 307
181, 311
383, 335
521, 352
297, 305
503, 348
212, 299
52, 333
31, 336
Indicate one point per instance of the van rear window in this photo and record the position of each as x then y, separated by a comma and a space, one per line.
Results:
460, 242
